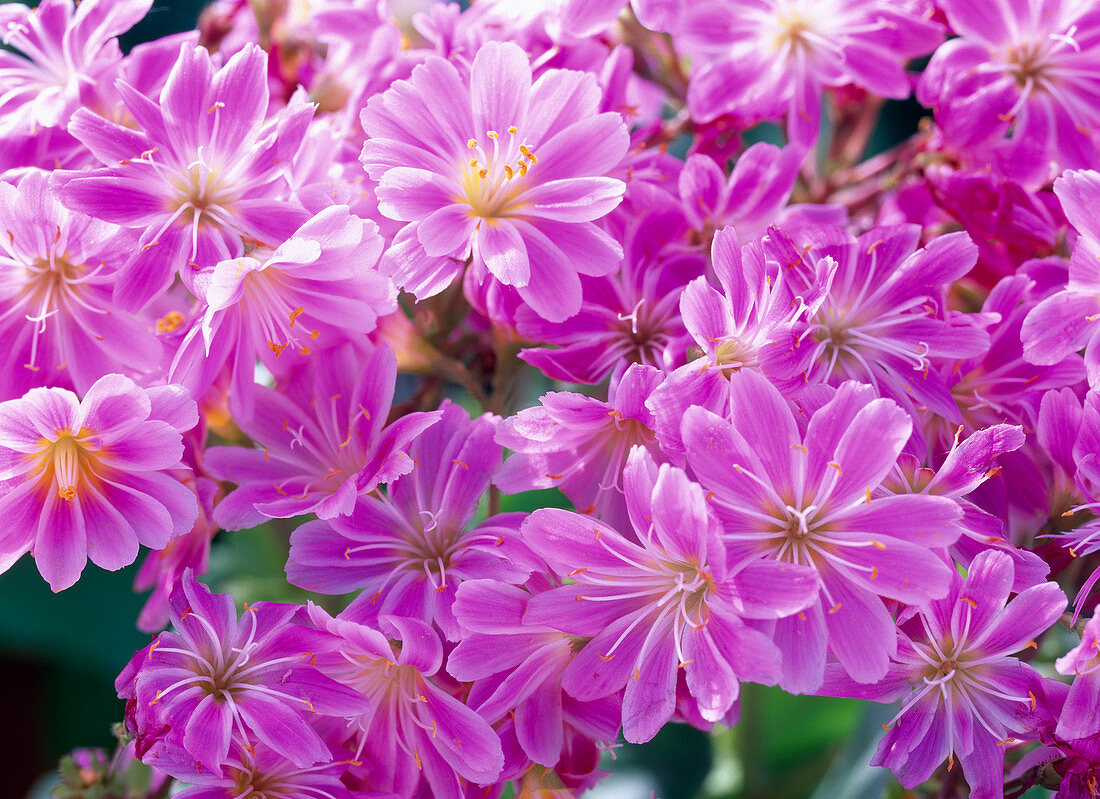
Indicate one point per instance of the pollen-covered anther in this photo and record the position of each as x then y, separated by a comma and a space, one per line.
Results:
170, 322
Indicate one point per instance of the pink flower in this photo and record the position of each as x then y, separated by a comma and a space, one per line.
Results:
202, 174
518, 666
738, 324
882, 321
629, 317
1018, 88
1069, 320
660, 598
66, 48
497, 168
962, 692
89, 478
581, 444
325, 441
413, 730
1081, 714
315, 290
217, 679
759, 59
57, 271
811, 497
409, 549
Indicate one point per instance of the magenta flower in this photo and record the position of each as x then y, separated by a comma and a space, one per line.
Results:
1069, 433
414, 731
967, 466
1018, 88
1002, 384
581, 444
202, 175
57, 272
629, 317
1068, 320
410, 548
562, 20
497, 168
317, 289
218, 679
811, 498
661, 599
763, 58
883, 322
1081, 712
962, 692
66, 49
325, 441
259, 771
90, 478
742, 323
519, 666
750, 199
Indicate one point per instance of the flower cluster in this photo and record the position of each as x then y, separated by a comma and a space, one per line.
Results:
811, 418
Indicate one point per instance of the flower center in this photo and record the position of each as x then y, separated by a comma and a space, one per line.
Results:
65, 461
266, 297
791, 31
51, 286
734, 354
494, 177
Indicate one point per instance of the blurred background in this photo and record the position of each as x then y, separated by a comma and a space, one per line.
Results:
60, 654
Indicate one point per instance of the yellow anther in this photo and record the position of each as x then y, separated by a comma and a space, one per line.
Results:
513, 129
173, 320
492, 134
509, 172
472, 144
67, 492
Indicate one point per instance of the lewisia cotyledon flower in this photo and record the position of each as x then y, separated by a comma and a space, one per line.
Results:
316, 290
204, 173
409, 548
810, 497
1017, 88
62, 50
414, 731
1069, 320
324, 441
217, 679
57, 271
963, 694
760, 58
91, 478
660, 600
492, 165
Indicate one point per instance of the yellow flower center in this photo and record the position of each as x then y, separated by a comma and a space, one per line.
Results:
494, 177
